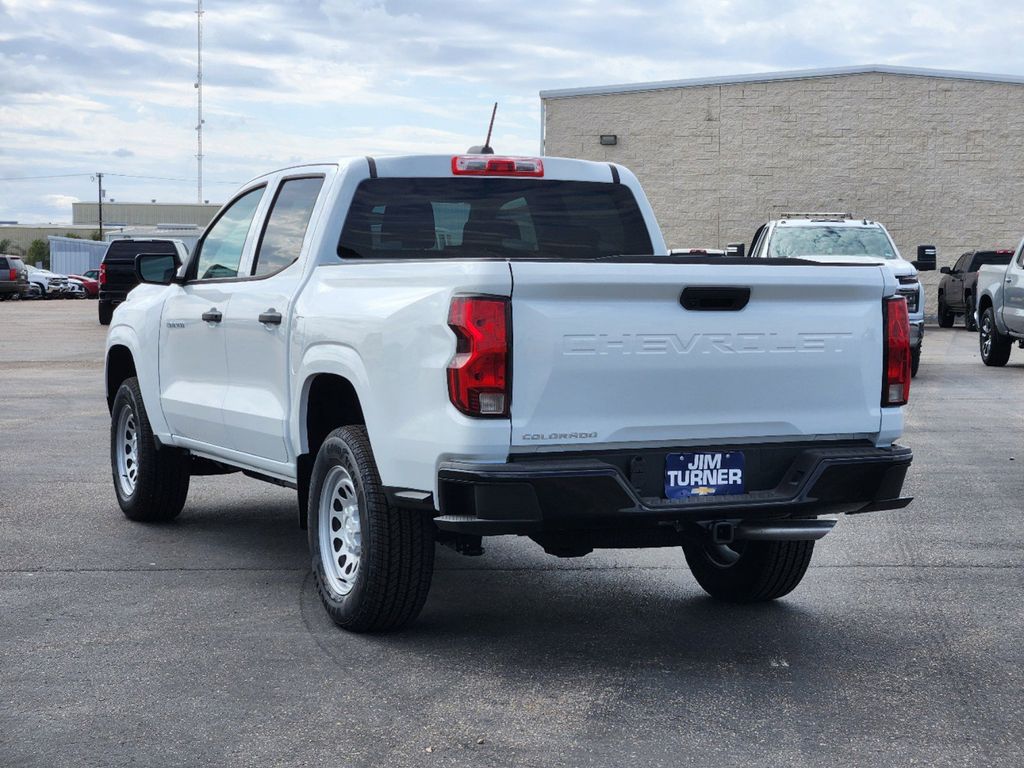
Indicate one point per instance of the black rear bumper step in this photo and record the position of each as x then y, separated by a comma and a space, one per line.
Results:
535, 495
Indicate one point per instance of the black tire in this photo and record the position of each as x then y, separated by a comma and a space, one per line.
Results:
396, 556
945, 315
106, 311
969, 322
994, 346
162, 475
764, 570
915, 361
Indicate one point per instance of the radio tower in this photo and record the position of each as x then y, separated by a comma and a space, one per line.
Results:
199, 101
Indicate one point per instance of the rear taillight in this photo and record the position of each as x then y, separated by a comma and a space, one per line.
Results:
103, 273
13, 275
478, 375
896, 359
490, 165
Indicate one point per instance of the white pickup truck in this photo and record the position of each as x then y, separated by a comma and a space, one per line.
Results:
1000, 308
436, 349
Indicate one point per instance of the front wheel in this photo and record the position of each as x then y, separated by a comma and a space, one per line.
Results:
995, 347
748, 571
372, 563
151, 484
915, 361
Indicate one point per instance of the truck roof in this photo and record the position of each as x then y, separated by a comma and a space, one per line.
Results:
440, 165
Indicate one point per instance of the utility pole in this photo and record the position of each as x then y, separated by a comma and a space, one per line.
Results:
99, 190
199, 100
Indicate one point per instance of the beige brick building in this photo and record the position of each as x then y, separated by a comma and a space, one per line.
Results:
936, 156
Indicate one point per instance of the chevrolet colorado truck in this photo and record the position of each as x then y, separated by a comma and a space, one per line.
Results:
840, 237
436, 349
1000, 308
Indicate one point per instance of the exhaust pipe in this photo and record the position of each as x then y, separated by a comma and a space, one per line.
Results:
784, 530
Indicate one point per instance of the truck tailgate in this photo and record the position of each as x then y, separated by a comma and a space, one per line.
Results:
605, 354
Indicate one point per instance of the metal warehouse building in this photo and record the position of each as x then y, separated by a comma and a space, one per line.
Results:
937, 156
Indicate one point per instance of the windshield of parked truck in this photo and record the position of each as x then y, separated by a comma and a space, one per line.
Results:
492, 217
816, 241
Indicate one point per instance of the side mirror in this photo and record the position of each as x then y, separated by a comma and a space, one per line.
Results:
946, 271
925, 258
156, 268
736, 250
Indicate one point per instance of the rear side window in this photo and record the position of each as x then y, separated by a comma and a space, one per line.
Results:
222, 246
504, 218
286, 226
3, 263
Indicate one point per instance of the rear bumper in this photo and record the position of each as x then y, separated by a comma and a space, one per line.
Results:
538, 495
114, 296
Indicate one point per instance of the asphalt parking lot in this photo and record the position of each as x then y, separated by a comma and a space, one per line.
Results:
202, 642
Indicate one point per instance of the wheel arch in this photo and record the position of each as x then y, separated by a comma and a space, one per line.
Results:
120, 365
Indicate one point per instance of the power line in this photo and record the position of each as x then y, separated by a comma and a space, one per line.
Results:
120, 175
33, 178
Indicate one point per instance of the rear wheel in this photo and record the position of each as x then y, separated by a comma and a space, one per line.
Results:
151, 485
945, 315
106, 311
995, 347
372, 563
969, 322
748, 571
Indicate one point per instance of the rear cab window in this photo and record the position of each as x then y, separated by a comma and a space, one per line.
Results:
285, 227
989, 257
417, 218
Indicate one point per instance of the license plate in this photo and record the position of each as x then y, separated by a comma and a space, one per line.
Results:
703, 474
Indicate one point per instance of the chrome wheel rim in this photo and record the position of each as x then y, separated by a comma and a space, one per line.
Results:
127, 448
986, 335
341, 539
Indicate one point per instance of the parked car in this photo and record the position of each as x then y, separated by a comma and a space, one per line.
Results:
91, 285
440, 348
1001, 308
48, 285
958, 287
13, 278
117, 270
839, 237
92, 274
76, 290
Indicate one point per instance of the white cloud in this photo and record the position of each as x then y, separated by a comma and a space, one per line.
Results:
107, 84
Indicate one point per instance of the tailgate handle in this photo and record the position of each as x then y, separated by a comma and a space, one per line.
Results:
714, 299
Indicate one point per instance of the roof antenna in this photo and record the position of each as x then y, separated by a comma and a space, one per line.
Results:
486, 149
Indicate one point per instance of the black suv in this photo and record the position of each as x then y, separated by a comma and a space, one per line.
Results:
958, 287
117, 270
13, 278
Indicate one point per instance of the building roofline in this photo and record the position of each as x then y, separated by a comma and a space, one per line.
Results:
764, 77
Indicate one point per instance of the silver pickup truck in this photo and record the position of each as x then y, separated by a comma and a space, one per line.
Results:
1001, 308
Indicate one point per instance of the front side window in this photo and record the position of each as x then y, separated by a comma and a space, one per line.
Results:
492, 217
961, 263
286, 225
221, 251
828, 241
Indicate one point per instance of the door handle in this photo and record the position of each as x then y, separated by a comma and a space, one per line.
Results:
213, 316
1009, 279
270, 317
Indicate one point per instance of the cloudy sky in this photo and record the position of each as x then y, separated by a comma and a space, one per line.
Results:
90, 85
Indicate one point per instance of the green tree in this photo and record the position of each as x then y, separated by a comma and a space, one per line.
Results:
5, 245
72, 235
95, 235
39, 252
